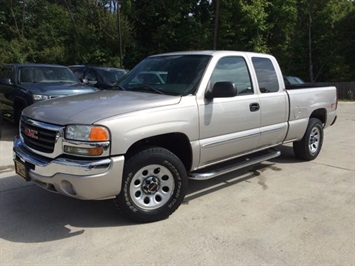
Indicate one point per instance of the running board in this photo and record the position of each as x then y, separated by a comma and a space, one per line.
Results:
233, 165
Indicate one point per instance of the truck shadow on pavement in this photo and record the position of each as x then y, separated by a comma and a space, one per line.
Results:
201, 188
30, 214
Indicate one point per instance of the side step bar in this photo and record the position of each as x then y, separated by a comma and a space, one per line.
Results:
233, 165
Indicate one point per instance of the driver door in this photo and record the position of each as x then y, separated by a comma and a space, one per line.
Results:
229, 126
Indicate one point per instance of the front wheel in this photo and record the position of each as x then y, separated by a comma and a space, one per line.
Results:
310, 145
154, 185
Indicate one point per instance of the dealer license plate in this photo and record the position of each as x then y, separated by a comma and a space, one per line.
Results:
21, 170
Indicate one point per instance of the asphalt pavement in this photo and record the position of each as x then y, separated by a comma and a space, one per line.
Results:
281, 212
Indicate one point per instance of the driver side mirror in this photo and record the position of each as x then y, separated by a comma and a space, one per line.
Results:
221, 89
84, 81
5, 81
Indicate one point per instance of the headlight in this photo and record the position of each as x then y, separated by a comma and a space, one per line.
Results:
86, 140
40, 97
87, 133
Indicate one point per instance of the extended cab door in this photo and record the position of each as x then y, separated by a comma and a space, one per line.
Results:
229, 126
273, 101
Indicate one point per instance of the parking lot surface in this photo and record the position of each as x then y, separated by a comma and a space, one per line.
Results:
282, 212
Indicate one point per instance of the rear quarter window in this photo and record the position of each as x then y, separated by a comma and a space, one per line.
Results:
266, 75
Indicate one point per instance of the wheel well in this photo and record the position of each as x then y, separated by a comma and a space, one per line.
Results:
19, 103
321, 114
18, 106
177, 143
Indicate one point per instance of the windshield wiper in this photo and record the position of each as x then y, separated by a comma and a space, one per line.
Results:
144, 87
118, 87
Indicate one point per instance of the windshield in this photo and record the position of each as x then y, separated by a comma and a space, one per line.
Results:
169, 74
46, 74
110, 76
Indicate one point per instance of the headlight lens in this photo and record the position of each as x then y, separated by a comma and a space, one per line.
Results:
87, 133
40, 97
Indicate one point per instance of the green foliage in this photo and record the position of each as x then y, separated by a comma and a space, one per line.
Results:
313, 39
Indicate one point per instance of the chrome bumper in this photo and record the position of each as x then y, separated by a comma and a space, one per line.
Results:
81, 179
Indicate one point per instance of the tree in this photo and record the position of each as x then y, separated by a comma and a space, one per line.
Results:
282, 30
318, 44
168, 25
243, 25
313, 39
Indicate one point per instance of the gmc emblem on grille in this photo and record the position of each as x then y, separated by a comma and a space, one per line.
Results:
31, 133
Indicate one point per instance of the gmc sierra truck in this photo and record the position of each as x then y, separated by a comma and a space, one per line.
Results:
174, 117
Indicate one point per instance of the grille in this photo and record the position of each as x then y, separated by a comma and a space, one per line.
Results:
37, 137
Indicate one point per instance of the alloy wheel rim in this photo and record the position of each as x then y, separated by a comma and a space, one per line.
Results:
314, 140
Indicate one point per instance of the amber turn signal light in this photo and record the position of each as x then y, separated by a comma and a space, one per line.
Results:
99, 134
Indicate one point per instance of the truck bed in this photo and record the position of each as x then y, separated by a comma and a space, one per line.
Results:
304, 86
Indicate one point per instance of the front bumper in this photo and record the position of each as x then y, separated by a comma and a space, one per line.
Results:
81, 179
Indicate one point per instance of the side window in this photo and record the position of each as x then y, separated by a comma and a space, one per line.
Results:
7, 72
266, 74
79, 72
90, 75
25, 75
235, 70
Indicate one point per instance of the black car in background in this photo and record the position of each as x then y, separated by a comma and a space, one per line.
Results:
24, 84
103, 78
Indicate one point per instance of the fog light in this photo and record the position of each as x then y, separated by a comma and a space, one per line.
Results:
68, 188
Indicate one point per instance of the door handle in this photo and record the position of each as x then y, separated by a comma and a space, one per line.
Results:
254, 107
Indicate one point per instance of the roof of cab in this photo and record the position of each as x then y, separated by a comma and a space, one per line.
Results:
33, 65
208, 52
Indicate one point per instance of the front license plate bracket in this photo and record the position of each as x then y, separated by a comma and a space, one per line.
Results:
22, 170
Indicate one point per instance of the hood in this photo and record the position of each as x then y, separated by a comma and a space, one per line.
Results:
53, 89
91, 107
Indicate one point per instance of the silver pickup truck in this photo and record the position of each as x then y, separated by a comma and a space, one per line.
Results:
174, 117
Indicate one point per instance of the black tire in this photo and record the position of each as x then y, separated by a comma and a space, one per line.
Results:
154, 185
310, 145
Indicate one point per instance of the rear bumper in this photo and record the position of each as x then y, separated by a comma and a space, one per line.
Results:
81, 179
335, 119
331, 118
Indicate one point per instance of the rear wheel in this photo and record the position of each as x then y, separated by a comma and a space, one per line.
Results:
310, 145
154, 185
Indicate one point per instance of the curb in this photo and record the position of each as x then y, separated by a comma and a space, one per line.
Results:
6, 168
